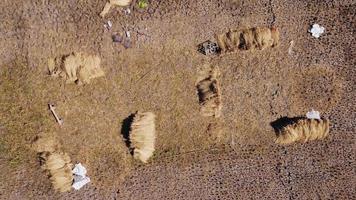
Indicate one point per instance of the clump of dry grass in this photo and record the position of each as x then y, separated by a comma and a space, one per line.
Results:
56, 162
143, 135
303, 130
209, 91
77, 67
248, 39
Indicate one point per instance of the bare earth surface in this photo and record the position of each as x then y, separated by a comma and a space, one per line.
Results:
232, 157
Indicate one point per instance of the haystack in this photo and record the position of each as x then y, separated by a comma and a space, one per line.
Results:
248, 39
60, 168
143, 135
76, 68
80, 68
303, 130
56, 162
229, 41
209, 92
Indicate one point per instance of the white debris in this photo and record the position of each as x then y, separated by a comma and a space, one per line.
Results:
290, 49
108, 25
80, 178
313, 114
316, 30
128, 34
79, 170
79, 182
127, 11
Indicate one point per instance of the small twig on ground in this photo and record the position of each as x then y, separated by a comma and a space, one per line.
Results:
58, 119
144, 75
141, 33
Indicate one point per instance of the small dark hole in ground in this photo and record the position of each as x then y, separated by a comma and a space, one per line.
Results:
242, 44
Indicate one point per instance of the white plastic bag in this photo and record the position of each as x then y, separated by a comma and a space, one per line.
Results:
316, 30
313, 114
80, 178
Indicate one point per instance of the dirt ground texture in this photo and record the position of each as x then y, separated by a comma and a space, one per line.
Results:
231, 157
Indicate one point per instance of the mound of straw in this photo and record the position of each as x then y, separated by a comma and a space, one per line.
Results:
248, 39
56, 162
209, 92
304, 130
143, 135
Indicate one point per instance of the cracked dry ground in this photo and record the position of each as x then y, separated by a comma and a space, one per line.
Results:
232, 157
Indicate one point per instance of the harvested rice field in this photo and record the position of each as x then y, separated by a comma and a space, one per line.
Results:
177, 99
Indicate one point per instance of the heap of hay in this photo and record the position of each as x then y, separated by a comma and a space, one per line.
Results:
143, 135
229, 41
56, 162
303, 130
76, 68
112, 3
60, 168
248, 39
209, 92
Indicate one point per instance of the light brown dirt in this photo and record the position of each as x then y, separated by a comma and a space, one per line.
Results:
158, 73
